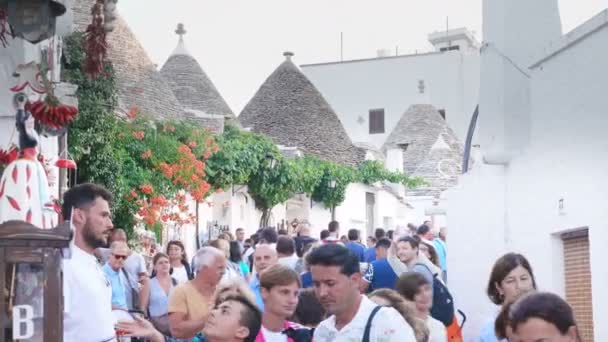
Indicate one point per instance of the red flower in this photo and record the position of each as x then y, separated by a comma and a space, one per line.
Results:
139, 135
146, 154
146, 189
132, 114
192, 144
160, 201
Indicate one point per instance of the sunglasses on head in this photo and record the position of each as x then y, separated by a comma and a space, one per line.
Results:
117, 256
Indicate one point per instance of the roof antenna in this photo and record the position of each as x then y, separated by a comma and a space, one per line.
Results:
341, 46
447, 29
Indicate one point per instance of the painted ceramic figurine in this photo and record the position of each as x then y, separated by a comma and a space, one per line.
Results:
24, 190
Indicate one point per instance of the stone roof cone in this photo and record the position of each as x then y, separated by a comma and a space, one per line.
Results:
290, 110
430, 149
139, 83
190, 83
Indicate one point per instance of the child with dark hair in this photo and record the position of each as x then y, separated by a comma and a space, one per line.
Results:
543, 316
309, 311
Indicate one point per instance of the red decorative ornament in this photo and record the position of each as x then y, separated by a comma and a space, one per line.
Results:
65, 164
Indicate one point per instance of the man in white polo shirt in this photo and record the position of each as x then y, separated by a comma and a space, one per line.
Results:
87, 293
336, 278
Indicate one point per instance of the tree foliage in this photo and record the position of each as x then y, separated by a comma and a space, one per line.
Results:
149, 165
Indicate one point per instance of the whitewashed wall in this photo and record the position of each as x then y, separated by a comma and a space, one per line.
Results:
19, 52
353, 88
496, 209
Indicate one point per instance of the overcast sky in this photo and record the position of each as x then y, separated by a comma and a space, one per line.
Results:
240, 42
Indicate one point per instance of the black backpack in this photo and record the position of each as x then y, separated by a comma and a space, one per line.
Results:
443, 303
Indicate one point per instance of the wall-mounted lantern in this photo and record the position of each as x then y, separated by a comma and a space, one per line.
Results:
33, 20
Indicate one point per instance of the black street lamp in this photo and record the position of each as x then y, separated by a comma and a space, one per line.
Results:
33, 20
332, 185
272, 162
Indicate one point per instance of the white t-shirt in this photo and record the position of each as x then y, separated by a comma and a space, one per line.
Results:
180, 274
387, 326
437, 331
271, 336
289, 261
87, 300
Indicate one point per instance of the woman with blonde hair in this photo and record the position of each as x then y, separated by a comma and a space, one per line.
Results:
392, 298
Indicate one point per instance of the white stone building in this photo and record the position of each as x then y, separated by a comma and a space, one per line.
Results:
370, 95
541, 189
16, 55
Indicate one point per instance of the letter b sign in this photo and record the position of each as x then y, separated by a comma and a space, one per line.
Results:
23, 322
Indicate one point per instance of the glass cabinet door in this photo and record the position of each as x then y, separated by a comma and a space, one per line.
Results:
24, 302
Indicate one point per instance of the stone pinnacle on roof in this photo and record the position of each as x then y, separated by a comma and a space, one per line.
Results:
288, 55
180, 49
191, 85
293, 113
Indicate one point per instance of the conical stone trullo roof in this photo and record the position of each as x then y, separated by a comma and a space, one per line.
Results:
292, 112
430, 149
191, 85
139, 83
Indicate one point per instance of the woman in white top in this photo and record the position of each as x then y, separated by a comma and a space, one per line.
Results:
414, 287
180, 268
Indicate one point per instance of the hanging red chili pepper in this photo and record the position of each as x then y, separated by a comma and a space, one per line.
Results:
95, 43
5, 29
50, 112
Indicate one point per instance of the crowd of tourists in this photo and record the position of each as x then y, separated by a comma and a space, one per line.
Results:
286, 286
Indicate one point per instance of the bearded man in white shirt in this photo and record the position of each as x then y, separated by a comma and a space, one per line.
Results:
87, 293
336, 278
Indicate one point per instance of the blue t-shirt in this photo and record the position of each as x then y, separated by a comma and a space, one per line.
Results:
255, 287
380, 275
441, 249
357, 249
370, 254
487, 333
119, 296
306, 279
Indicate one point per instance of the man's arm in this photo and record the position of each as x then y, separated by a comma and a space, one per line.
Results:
367, 279
182, 328
179, 325
144, 280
